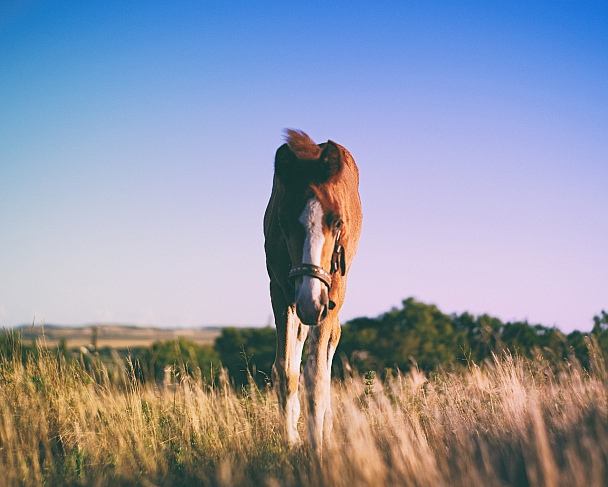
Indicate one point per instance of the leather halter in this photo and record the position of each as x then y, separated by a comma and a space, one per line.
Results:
311, 270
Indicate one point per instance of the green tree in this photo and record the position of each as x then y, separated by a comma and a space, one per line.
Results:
417, 333
247, 350
182, 354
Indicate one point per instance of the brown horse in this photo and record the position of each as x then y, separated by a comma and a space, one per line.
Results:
311, 227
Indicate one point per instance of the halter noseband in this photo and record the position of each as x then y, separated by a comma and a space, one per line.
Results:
311, 270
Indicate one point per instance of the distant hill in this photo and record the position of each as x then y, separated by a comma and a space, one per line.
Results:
113, 335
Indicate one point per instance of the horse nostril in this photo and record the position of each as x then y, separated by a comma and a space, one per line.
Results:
324, 313
324, 297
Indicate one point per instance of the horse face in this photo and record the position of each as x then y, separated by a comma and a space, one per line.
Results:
310, 235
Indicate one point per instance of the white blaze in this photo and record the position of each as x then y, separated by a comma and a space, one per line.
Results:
312, 220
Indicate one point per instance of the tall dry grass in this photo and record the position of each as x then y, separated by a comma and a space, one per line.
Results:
512, 422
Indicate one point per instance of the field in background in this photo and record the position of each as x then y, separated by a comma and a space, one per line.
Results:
113, 336
509, 422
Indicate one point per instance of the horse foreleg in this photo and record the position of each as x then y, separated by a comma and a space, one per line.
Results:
291, 335
317, 376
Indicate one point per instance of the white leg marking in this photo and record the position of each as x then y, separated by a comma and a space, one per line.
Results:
293, 402
286, 374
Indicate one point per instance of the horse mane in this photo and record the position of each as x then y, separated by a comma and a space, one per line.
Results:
302, 145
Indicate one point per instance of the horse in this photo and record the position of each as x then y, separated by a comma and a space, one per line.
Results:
311, 228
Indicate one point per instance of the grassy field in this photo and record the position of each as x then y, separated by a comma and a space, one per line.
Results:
510, 422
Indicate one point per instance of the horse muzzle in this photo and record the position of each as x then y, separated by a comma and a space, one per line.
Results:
311, 285
312, 301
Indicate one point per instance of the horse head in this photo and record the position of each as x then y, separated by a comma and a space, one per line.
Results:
311, 222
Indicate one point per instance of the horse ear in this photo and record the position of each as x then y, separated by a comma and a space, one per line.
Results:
289, 167
332, 157
283, 160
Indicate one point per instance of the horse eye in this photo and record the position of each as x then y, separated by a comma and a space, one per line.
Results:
338, 224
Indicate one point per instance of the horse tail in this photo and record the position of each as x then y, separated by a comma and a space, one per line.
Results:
302, 145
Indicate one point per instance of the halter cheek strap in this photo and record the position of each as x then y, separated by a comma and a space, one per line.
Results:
337, 257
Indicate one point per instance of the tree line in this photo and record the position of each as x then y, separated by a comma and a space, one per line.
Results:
413, 335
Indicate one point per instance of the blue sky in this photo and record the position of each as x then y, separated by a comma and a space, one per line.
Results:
137, 142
